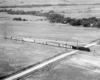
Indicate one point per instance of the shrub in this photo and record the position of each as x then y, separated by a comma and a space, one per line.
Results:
86, 23
19, 19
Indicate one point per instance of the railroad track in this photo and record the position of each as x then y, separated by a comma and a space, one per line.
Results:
54, 43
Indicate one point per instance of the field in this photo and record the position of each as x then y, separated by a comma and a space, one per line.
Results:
79, 11
15, 55
30, 2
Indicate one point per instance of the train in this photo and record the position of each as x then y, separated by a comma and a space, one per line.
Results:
82, 48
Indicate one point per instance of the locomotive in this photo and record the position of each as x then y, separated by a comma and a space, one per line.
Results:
81, 48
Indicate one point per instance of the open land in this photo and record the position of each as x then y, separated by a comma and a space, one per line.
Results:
15, 55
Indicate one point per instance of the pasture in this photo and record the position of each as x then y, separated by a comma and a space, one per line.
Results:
17, 55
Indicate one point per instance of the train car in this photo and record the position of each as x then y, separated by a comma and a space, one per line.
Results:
40, 41
64, 45
19, 39
27, 40
7, 37
13, 38
53, 44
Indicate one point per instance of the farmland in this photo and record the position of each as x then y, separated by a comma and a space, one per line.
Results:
17, 54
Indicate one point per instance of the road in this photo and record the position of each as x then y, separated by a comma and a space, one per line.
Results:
43, 64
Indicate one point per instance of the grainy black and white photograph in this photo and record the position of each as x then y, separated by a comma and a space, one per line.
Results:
49, 39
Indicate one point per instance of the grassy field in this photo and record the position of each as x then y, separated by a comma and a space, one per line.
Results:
17, 55
63, 72
79, 11
30, 2
44, 30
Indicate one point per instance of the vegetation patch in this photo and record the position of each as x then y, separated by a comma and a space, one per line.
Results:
20, 19
58, 18
85, 22
27, 6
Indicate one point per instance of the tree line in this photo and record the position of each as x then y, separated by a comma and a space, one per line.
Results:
54, 17
85, 22
10, 11
27, 6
